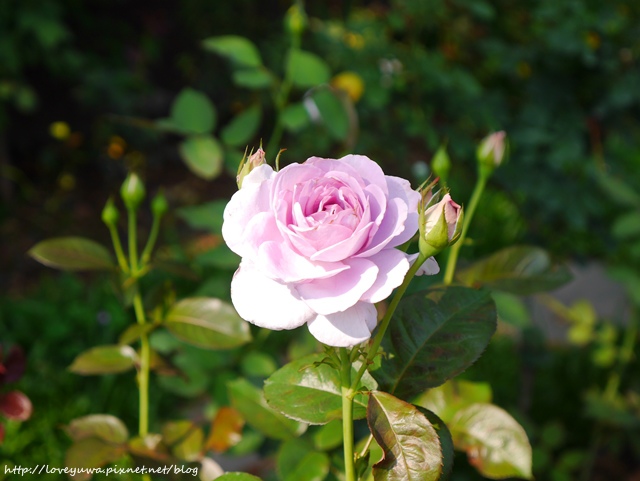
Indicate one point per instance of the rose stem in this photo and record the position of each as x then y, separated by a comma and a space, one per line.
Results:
468, 215
347, 415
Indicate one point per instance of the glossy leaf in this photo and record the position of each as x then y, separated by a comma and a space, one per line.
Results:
72, 254
494, 442
104, 360
446, 442
295, 117
253, 78
454, 395
207, 216
434, 336
411, 447
104, 426
333, 113
192, 112
251, 404
238, 477
312, 394
519, 270
306, 69
203, 155
289, 454
328, 436
226, 430
313, 466
242, 127
15, 405
92, 453
184, 438
208, 323
239, 50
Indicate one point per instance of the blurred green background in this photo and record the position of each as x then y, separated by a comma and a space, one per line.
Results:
89, 90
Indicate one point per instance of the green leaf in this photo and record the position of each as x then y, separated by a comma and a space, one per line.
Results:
494, 442
134, 332
92, 453
203, 155
619, 191
239, 50
312, 393
446, 441
192, 112
456, 394
220, 257
72, 254
208, 323
242, 127
238, 477
511, 309
184, 438
434, 336
627, 226
306, 69
250, 402
253, 78
333, 113
104, 426
104, 360
519, 270
411, 446
295, 117
207, 216
296, 461
258, 364
329, 436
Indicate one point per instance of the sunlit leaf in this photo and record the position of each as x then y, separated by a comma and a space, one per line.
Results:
149, 446
411, 446
253, 78
239, 50
184, 438
434, 336
104, 360
226, 430
92, 453
192, 112
295, 117
203, 155
134, 332
456, 394
241, 129
72, 254
238, 477
496, 445
207, 322
104, 426
329, 436
519, 270
250, 402
312, 393
306, 69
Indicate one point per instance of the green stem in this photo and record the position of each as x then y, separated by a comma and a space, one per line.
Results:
347, 415
468, 215
151, 242
143, 376
384, 324
133, 242
117, 247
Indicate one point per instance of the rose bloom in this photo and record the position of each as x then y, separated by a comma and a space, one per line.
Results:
318, 245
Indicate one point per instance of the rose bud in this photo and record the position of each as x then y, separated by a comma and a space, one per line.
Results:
440, 226
491, 151
248, 164
132, 191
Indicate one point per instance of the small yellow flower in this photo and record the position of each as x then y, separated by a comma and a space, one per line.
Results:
351, 83
59, 130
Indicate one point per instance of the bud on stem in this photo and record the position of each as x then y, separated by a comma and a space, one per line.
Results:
132, 191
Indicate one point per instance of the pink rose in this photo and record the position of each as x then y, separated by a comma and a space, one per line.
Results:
318, 245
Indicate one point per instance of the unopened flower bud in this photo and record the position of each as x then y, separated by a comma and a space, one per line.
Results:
295, 20
159, 205
248, 164
491, 152
132, 191
440, 226
441, 164
110, 214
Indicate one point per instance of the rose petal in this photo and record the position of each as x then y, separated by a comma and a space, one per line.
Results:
392, 226
368, 169
15, 405
401, 189
345, 329
277, 261
393, 265
265, 302
429, 267
339, 292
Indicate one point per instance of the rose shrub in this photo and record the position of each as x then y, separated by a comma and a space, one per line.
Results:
318, 245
